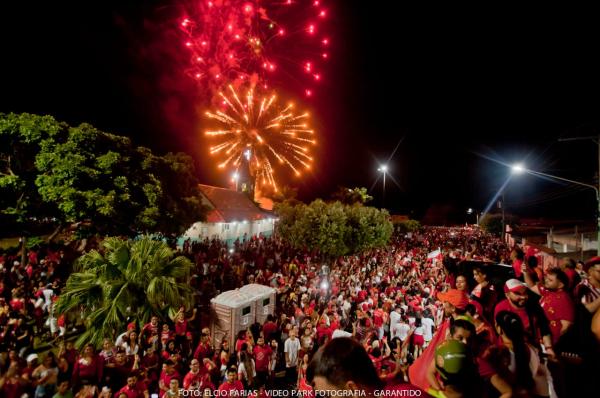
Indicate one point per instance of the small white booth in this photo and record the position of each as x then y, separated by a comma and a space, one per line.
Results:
234, 311
263, 298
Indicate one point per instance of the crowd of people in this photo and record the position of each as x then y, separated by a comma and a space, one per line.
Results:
425, 313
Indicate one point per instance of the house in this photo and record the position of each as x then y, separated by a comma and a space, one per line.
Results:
232, 216
554, 240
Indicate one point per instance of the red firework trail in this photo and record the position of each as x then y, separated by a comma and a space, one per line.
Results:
261, 43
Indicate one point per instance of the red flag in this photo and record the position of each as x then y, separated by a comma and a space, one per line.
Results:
417, 372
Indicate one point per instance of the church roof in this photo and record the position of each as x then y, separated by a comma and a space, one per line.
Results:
229, 206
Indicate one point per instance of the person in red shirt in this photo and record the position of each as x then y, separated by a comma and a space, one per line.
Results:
557, 303
192, 380
88, 368
532, 315
262, 355
232, 386
133, 389
169, 373
204, 350
149, 333
269, 328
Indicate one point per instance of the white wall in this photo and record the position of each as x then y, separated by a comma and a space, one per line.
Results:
229, 231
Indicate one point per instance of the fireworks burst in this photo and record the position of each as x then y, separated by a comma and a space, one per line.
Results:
256, 42
269, 135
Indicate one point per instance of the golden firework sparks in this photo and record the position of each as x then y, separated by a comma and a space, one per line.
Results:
267, 133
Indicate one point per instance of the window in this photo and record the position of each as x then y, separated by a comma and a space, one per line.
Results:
245, 311
266, 301
225, 227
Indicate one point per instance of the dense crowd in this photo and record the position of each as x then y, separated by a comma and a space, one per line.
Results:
424, 313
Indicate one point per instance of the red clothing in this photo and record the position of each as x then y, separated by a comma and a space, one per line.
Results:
262, 356
130, 392
238, 344
234, 389
181, 327
558, 306
505, 305
193, 380
166, 379
517, 267
203, 351
89, 371
12, 390
572, 275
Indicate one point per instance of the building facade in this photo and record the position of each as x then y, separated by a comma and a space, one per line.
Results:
232, 215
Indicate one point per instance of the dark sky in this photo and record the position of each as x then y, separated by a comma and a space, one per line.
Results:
457, 85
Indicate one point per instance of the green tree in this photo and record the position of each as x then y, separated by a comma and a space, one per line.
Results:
352, 196
180, 203
126, 278
333, 229
491, 223
122, 189
407, 226
20, 138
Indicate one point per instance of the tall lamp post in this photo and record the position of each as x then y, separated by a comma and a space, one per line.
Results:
383, 169
471, 211
521, 169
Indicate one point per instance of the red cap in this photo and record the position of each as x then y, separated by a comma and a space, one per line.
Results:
591, 262
456, 297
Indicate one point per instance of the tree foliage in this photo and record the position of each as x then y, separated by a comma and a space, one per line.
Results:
125, 280
491, 223
20, 140
407, 226
351, 196
333, 229
84, 174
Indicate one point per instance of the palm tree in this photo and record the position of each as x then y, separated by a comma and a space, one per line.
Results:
135, 279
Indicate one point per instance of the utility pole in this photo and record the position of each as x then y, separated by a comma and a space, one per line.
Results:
384, 173
503, 219
596, 140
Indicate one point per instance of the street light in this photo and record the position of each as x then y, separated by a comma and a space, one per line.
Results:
471, 211
383, 169
522, 169
517, 168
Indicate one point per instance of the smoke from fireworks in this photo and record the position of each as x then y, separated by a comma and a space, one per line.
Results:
267, 134
257, 42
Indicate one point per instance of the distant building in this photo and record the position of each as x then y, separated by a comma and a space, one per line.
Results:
554, 240
232, 215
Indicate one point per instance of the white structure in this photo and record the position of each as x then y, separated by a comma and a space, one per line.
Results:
234, 311
263, 300
232, 216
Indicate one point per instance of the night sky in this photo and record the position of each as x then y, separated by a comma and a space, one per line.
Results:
456, 85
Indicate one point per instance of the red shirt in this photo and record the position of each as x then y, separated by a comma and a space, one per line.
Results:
558, 306
193, 379
203, 351
261, 357
130, 392
234, 389
181, 327
505, 305
166, 379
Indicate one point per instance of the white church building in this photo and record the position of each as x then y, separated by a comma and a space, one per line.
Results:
232, 216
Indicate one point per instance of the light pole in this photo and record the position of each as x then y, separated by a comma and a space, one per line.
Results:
521, 169
383, 169
471, 211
